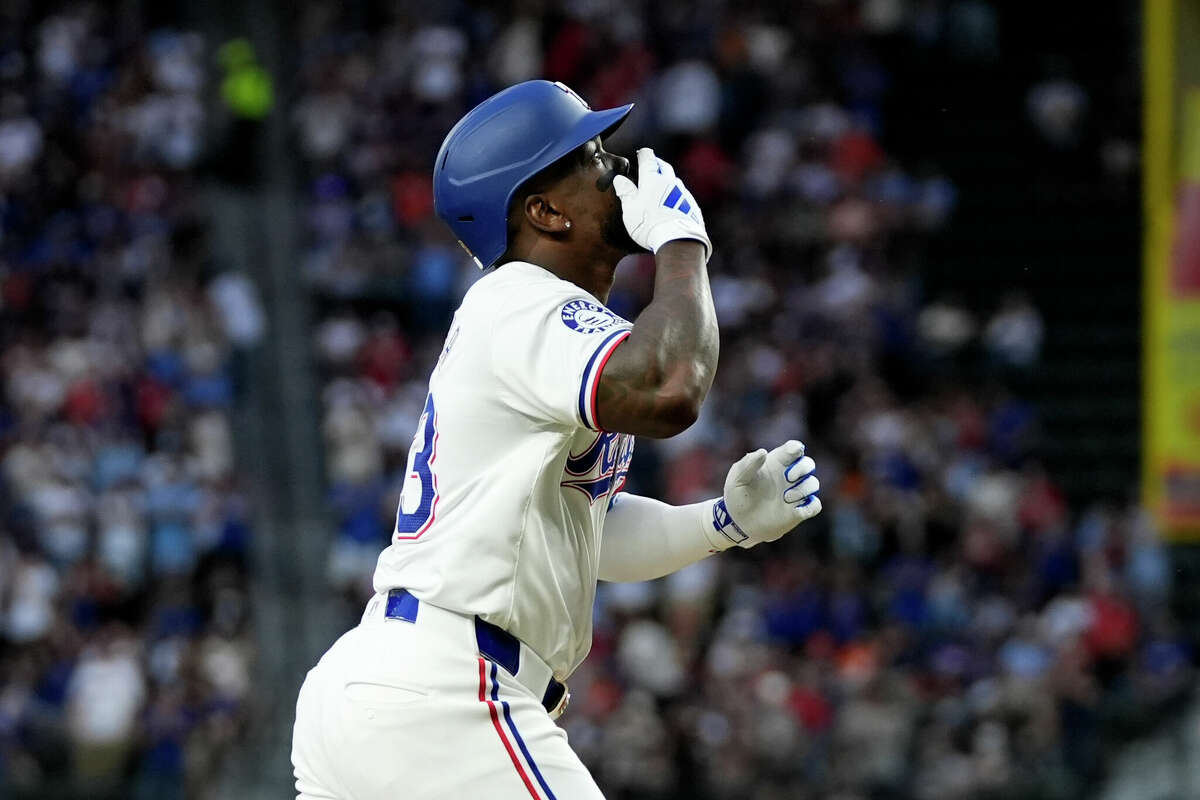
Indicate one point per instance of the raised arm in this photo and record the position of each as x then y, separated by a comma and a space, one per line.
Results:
656, 380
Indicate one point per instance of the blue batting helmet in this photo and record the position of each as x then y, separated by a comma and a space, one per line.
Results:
501, 143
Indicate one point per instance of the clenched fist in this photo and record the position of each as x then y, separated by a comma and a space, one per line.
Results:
766, 495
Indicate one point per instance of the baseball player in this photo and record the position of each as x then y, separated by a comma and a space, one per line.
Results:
510, 511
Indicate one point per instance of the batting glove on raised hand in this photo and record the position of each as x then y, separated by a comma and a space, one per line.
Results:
766, 496
659, 208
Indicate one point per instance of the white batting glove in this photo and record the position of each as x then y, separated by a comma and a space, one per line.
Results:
659, 208
766, 496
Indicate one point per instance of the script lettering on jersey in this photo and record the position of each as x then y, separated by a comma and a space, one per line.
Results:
451, 338
600, 470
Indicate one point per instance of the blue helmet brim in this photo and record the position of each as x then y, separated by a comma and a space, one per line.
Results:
606, 121
595, 123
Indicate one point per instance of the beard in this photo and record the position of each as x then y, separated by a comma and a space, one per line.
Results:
615, 235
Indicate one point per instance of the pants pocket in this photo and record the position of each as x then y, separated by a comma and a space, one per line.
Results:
371, 693
395, 707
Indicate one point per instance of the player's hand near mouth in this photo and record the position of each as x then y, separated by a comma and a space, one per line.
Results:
657, 379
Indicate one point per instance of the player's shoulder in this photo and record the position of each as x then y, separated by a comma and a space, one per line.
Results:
523, 279
520, 288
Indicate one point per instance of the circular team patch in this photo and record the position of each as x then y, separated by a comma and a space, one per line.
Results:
587, 317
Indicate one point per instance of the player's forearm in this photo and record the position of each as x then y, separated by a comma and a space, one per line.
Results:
682, 321
645, 539
659, 377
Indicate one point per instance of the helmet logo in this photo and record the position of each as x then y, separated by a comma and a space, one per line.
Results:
572, 93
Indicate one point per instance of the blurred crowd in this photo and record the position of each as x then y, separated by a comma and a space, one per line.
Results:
949, 627
125, 657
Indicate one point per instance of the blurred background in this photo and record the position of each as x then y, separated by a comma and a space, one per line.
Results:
958, 253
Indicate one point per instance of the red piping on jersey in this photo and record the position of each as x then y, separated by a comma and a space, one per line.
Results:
600, 371
500, 731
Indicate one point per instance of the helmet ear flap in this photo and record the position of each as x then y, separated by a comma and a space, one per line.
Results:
498, 146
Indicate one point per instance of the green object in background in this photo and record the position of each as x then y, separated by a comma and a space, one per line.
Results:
247, 89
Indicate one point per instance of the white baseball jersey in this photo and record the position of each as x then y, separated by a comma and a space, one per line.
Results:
509, 477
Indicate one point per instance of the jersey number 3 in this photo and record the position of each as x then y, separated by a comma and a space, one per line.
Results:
418, 498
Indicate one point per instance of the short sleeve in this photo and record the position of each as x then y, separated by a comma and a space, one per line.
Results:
549, 349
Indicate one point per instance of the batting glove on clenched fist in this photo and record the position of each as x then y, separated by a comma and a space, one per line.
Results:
659, 208
766, 495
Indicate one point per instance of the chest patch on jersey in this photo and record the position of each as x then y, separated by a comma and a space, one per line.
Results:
600, 470
584, 316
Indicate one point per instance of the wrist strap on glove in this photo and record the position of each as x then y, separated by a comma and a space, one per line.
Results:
729, 531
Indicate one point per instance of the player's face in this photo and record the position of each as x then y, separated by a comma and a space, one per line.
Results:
600, 201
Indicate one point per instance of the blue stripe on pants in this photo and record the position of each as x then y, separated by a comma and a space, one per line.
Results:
520, 742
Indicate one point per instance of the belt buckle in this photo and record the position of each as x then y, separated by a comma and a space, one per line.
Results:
559, 708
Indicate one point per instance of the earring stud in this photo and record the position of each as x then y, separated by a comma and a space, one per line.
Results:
567, 224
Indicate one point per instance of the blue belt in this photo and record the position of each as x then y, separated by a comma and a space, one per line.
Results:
495, 644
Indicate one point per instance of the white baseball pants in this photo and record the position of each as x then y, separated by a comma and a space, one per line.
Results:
399, 709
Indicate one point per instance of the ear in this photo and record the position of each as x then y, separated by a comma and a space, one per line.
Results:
544, 215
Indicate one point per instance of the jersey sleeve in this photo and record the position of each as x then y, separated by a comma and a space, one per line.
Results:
548, 351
